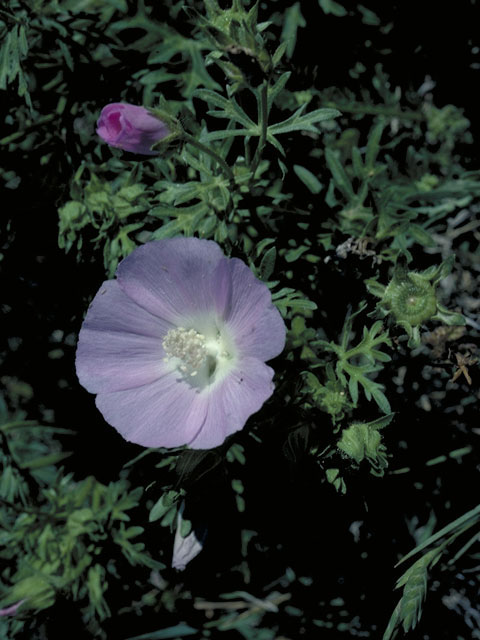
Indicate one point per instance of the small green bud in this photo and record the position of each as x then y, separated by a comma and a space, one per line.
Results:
412, 299
234, 32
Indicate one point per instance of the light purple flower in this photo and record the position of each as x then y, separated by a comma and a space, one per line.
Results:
175, 347
130, 128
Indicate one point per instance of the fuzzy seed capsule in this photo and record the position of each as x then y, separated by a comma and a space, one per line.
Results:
412, 300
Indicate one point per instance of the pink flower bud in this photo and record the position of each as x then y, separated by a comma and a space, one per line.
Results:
130, 128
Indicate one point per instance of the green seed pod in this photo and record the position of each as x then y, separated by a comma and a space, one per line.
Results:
411, 300
354, 440
362, 441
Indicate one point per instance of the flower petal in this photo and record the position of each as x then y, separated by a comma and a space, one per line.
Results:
186, 548
164, 413
12, 609
256, 324
130, 127
174, 279
120, 344
230, 403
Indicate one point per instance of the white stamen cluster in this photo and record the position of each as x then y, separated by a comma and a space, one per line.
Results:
188, 346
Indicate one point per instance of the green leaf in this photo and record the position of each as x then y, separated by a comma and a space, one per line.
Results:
342, 181
267, 265
163, 505
421, 236
330, 6
299, 122
464, 521
353, 389
373, 145
14, 48
277, 88
44, 461
379, 397
312, 183
274, 142
414, 582
278, 54
180, 630
375, 288
229, 109
227, 133
292, 21
294, 254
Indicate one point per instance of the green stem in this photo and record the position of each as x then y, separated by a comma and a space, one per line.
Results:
213, 154
263, 123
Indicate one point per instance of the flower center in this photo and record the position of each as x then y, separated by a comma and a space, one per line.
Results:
197, 356
188, 346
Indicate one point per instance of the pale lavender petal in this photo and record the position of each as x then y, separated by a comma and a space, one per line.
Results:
174, 279
256, 324
120, 344
11, 610
112, 361
185, 548
165, 413
112, 310
232, 401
